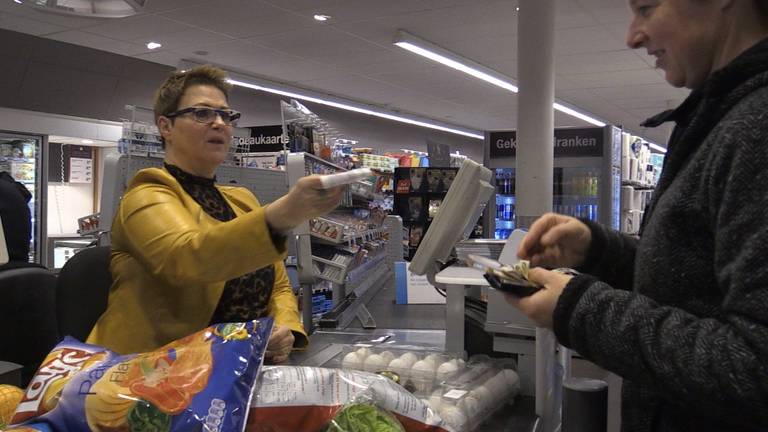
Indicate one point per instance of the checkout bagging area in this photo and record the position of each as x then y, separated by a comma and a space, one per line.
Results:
472, 364
475, 362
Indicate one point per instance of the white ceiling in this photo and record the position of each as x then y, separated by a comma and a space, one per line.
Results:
352, 55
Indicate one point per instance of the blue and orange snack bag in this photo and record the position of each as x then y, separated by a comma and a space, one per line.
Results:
204, 381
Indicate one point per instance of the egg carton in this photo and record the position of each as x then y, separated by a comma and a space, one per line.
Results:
417, 369
475, 395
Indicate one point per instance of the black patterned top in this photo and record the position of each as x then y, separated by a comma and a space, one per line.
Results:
246, 297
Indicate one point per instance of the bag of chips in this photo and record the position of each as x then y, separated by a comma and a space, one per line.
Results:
203, 381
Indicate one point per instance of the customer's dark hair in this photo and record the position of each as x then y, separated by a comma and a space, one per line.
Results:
170, 92
762, 7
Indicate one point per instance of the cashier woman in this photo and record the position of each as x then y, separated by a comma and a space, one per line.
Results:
682, 313
187, 252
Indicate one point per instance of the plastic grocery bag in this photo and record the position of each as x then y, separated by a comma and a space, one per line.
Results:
295, 398
203, 381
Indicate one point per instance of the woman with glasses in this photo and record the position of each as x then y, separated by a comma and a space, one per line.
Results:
186, 252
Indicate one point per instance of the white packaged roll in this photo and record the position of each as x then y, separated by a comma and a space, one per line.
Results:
637, 200
627, 194
625, 168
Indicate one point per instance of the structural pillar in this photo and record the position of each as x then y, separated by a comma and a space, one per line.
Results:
534, 168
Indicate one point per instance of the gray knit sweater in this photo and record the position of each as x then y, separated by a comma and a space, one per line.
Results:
682, 314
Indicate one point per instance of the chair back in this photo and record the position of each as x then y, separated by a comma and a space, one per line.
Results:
83, 291
27, 316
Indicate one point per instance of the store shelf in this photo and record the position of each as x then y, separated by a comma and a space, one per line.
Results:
322, 161
638, 185
348, 238
575, 199
328, 262
347, 274
354, 274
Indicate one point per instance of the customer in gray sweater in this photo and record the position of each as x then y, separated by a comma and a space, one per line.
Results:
682, 313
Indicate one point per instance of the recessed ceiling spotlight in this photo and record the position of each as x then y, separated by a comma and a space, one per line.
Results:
517, 9
321, 18
17, 1
153, 45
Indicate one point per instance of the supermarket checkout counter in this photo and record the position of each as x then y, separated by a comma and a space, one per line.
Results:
327, 345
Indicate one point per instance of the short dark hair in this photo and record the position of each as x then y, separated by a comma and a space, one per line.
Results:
762, 7
170, 92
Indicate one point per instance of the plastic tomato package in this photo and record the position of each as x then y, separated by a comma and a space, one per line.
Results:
204, 381
297, 398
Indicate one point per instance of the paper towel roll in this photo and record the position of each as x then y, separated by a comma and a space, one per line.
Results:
625, 168
633, 169
638, 200
627, 194
626, 145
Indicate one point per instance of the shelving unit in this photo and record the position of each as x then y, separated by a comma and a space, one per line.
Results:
140, 134
639, 173
341, 253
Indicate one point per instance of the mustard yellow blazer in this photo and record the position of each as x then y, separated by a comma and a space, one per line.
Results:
170, 261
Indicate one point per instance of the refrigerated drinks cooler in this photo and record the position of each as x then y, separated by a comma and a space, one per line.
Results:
22, 156
586, 181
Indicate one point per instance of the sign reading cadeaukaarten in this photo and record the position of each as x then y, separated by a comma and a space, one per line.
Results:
568, 142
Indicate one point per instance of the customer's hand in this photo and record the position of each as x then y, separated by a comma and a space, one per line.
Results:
305, 200
556, 241
540, 306
280, 344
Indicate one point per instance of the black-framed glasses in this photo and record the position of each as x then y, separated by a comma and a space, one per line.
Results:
208, 115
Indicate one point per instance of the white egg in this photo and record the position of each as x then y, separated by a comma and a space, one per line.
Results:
513, 381
497, 386
351, 361
423, 369
454, 416
387, 355
434, 359
446, 370
398, 365
374, 363
482, 394
436, 400
409, 358
470, 405
363, 353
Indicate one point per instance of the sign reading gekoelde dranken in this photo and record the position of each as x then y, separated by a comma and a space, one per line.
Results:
263, 139
568, 142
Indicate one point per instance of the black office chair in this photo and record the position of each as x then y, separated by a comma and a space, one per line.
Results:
82, 291
27, 316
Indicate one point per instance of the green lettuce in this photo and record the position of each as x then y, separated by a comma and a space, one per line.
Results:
364, 418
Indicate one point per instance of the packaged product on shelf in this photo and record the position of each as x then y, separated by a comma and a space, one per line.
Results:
434, 206
202, 381
435, 180
290, 399
417, 177
416, 233
415, 207
403, 186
